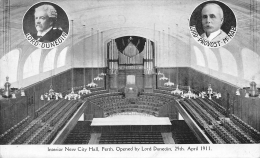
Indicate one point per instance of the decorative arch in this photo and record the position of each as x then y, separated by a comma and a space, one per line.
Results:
31, 66
212, 59
48, 63
9, 66
229, 64
251, 64
199, 56
62, 57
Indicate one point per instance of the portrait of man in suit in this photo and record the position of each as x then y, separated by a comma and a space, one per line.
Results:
212, 20
213, 24
45, 25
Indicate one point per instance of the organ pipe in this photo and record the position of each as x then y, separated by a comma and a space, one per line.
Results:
146, 54
112, 55
149, 54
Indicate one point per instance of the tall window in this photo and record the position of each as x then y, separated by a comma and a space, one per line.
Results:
199, 57
31, 66
250, 62
62, 58
212, 59
49, 60
8, 66
229, 64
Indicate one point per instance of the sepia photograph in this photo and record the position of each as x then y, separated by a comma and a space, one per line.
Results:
129, 78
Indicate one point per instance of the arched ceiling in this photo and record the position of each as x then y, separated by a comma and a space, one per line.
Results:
120, 15
143, 18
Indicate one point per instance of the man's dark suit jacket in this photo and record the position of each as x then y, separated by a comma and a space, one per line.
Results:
50, 36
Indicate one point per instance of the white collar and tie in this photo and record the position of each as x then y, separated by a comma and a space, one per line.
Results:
213, 35
41, 34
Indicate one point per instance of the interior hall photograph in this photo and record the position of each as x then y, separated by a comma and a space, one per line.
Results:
140, 72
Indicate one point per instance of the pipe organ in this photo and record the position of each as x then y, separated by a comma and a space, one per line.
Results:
131, 57
112, 57
149, 57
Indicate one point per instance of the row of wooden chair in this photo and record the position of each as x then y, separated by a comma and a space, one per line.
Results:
63, 118
45, 107
26, 132
13, 131
246, 128
226, 129
131, 138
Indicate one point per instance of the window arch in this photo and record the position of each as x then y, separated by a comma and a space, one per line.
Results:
199, 57
48, 63
212, 59
9, 66
31, 66
251, 67
62, 57
229, 64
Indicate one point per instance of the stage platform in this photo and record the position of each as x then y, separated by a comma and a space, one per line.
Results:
133, 123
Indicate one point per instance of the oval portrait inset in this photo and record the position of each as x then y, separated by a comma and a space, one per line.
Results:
213, 24
45, 25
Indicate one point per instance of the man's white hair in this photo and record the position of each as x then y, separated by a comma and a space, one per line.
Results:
216, 5
49, 9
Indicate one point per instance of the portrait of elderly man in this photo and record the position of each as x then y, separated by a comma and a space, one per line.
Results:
212, 19
45, 17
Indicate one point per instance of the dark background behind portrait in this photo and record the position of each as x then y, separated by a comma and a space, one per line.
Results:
29, 24
229, 17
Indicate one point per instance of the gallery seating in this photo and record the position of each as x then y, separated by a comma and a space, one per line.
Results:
210, 116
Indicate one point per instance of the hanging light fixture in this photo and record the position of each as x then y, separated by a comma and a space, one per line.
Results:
10, 93
98, 52
72, 94
202, 94
92, 83
7, 91
252, 91
84, 90
169, 83
102, 74
177, 91
51, 94
189, 94
210, 93
238, 91
163, 76
22, 92
176, 52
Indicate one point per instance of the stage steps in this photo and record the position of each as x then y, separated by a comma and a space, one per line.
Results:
80, 133
182, 134
94, 138
167, 138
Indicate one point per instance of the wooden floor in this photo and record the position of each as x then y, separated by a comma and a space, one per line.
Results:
124, 120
